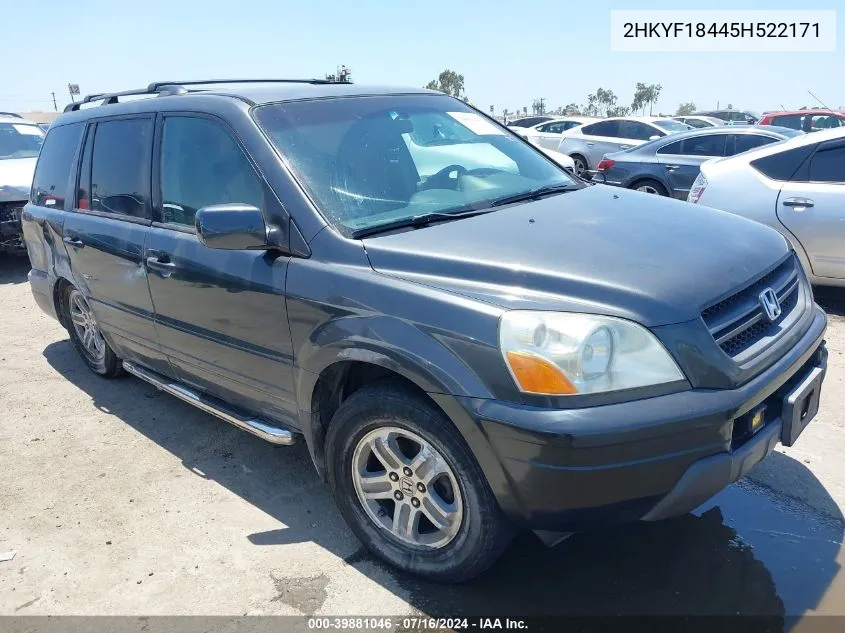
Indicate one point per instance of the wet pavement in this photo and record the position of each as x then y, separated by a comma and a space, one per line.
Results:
748, 551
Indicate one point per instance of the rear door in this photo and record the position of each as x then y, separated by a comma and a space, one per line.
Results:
681, 160
549, 133
599, 139
812, 207
221, 314
105, 234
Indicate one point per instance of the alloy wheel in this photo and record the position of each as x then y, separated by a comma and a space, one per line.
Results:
407, 488
85, 326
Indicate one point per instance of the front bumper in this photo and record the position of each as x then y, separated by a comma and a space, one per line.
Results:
644, 459
11, 235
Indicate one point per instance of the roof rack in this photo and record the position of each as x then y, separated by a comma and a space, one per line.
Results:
165, 88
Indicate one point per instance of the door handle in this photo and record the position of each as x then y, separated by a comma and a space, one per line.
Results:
624, 147
672, 167
164, 268
799, 204
590, 144
73, 241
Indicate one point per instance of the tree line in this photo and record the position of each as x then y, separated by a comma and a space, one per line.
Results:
603, 102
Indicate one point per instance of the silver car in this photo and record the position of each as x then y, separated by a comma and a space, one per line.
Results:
587, 144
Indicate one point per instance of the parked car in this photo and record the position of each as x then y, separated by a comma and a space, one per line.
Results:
699, 121
805, 120
732, 117
20, 141
548, 134
463, 353
796, 187
668, 166
528, 121
587, 144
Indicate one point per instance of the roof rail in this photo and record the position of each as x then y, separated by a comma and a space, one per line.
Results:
165, 88
11, 114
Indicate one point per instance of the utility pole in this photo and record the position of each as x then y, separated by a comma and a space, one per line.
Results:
55, 107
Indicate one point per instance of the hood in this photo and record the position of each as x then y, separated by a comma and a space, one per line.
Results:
601, 250
16, 178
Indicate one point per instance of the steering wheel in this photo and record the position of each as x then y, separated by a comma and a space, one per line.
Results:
443, 179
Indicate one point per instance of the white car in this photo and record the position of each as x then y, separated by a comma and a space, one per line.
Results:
548, 134
20, 142
797, 187
587, 144
698, 121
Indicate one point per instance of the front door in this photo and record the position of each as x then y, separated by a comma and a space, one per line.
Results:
221, 314
814, 210
105, 235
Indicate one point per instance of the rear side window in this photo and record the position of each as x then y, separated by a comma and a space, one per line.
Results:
828, 164
708, 145
638, 131
120, 167
745, 142
55, 165
671, 148
602, 128
788, 120
783, 165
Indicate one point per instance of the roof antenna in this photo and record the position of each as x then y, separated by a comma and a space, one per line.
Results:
819, 100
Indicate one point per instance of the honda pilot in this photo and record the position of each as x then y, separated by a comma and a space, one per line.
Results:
468, 340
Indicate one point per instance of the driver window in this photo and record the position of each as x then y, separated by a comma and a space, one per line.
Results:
201, 165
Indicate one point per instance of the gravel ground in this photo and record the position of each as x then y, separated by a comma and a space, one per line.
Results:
119, 499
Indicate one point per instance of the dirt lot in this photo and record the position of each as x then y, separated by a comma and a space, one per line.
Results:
122, 500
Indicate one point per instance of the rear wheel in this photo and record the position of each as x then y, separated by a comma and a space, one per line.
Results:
409, 487
86, 336
581, 166
650, 186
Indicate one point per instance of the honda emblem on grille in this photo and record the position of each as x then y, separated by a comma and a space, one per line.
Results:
771, 305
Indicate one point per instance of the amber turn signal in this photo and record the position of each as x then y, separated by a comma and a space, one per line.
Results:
537, 375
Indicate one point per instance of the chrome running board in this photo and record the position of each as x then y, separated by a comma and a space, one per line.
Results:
264, 430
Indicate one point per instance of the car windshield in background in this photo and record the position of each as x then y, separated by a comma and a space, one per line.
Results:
376, 161
672, 126
20, 140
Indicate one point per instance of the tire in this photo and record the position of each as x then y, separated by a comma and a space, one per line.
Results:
581, 165
95, 351
458, 553
650, 186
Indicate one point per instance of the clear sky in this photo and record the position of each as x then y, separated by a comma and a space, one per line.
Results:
509, 53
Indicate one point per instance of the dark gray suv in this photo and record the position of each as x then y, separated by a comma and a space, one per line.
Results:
468, 340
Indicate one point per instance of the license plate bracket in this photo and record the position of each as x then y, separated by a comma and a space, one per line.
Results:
801, 405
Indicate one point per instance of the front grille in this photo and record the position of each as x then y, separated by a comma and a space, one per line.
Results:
739, 322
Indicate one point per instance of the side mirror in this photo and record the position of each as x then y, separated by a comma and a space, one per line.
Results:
654, 138
232, 227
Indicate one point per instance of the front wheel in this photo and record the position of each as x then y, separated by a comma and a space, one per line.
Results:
409, 487
86, 336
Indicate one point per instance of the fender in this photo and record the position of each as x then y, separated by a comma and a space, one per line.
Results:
419, 356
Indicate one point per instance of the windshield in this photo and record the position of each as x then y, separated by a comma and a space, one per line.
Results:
20, 140
672, 126
368, 161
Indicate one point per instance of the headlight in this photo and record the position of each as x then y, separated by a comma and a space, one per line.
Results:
565, 353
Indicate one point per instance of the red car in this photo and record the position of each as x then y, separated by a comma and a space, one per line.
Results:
806, 120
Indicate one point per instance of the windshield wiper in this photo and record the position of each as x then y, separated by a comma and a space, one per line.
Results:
533, 194
423, 219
